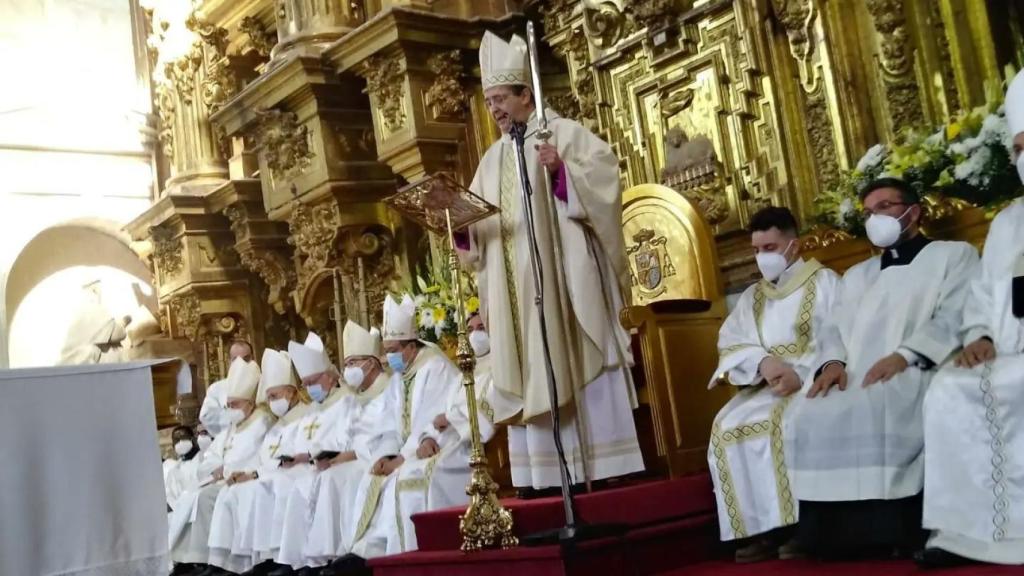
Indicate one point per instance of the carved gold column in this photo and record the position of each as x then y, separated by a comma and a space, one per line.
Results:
312, 135
193, 76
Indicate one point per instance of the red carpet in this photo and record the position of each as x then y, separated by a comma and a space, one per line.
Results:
672, 530
637, 505
670, 523
810, 568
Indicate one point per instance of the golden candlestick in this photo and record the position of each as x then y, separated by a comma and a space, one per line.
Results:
441, 205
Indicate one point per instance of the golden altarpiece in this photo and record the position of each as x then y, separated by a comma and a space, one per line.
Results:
284, 123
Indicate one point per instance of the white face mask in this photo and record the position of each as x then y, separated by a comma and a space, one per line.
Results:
182, 447
354, 376
480, 341
235, 415
884, 230
1020, 166
204, 441
280, 407
773, 264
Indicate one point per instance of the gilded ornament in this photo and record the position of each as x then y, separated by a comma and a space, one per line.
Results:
937, 207
554, 12
187, 311
261, 39
819, 133
822, 237
577, 55
797, 18
890, 22
651, 14
167, 251
446, 95
283, 142
604, 22
385, 84
566, 104
274, 268
313, 233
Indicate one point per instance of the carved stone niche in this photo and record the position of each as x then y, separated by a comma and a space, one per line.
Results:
261, 243
421, 75
312, 132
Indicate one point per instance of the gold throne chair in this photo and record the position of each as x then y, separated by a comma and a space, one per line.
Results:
678, 306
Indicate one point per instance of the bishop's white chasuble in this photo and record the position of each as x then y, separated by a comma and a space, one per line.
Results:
440, 481
417, 396
287, 494
868, 443
747, 454
331, 526
237, 450
583, 296
974, 418
233, 525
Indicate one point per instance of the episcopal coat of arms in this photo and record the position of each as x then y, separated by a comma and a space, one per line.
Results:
650, 263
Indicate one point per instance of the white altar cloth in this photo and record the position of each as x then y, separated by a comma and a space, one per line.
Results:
81, 486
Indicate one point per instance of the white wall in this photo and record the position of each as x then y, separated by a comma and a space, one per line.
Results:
74, 128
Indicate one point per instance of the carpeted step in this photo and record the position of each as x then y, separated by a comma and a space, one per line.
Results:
637, 505
812, 568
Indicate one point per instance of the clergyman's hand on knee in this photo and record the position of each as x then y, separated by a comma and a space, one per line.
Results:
978, 352
833, 375
786, 384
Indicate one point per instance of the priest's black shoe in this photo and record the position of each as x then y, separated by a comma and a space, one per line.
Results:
936, 558
181, 569
264, 569
347, 565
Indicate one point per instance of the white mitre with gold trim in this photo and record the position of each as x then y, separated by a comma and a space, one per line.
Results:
503, 63
309, 357
243, 380
399, 319
361, 342
1015, 105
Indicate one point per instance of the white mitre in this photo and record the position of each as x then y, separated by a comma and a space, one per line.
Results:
360, 341
1015, 105
399, 319
309, 358
277, 371
503, 63
243, 380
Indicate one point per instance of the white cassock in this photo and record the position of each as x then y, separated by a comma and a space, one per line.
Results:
233, 523
284, 542
333, 525
583, 297
417, 396
974, 418
237, 451
868, 443
747, 455
213, 412
440, 481
182, 477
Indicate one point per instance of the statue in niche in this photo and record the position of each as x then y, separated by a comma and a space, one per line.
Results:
95, 336
683, 153
692, 169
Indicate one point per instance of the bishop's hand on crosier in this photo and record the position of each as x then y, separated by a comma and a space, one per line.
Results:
549, 158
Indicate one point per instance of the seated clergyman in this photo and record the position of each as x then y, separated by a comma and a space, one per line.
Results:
974, 482
856, 441
769, 346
